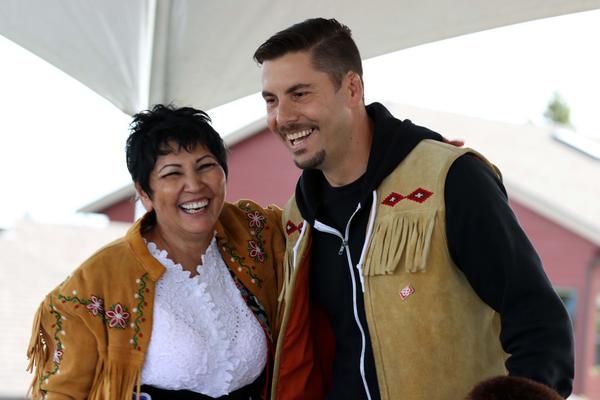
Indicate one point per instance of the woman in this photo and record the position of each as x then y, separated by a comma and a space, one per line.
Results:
184, 305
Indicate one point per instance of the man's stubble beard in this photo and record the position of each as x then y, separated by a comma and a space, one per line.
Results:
312, 163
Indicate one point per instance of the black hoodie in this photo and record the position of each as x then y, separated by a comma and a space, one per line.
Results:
484, 239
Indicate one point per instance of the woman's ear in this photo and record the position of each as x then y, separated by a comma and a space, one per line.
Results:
144, 197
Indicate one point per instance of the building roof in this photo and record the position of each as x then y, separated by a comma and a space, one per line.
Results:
124, 193
540, 172
35, 258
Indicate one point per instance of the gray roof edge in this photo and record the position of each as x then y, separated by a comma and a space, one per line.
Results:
245, 132
110, 199
559, 215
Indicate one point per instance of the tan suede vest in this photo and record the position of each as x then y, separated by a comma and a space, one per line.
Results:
432, 336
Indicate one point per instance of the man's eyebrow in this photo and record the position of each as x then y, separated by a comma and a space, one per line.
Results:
298, 86
266, 93
291, 89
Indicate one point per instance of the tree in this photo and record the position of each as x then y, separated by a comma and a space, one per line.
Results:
558, 111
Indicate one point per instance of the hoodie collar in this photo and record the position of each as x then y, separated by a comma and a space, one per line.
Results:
393, 140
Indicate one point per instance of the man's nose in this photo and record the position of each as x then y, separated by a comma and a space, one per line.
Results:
286, 113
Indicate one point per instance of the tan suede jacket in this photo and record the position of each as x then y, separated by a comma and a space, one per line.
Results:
91, 333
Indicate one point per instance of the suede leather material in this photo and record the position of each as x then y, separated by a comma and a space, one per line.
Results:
442, 332
98, 361
439, 341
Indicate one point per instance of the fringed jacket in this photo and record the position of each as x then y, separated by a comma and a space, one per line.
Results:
91, 333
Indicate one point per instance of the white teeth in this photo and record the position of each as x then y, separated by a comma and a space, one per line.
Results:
194, 206
298, 135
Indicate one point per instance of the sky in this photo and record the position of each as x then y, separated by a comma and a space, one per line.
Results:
62, 145
507, 74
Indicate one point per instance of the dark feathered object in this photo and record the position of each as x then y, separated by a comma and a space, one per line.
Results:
512, 388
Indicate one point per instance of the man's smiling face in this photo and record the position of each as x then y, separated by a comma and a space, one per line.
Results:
306, 110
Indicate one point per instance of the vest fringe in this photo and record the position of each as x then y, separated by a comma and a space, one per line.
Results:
400, 241
117, 381
37, 353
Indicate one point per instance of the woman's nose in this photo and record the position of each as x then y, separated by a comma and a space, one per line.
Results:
193, 182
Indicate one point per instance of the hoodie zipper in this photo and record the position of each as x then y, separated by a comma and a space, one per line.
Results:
344, 246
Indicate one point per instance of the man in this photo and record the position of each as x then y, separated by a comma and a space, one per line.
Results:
408, 276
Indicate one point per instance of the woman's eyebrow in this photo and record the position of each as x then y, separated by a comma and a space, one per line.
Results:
169, 165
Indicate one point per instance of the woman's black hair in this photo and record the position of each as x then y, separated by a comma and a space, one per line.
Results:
152, 131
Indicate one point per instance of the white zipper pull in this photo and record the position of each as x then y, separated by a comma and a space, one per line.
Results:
344, 244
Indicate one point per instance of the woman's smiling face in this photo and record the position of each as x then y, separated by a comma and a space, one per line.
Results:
188, 191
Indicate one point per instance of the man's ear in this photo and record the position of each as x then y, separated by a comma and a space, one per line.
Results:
144, 197
354, 87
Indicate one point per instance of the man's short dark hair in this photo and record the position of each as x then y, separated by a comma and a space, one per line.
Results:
151, 131
329, 42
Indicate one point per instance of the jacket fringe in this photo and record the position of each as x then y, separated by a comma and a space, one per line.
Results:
400, 241
37, 353
116, 381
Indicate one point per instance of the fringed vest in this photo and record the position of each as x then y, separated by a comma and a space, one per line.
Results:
433, 338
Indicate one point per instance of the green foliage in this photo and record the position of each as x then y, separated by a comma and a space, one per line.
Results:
558, 111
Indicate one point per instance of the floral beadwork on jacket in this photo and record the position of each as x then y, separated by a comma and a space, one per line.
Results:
118, 315
241, 266
255, 252
256, 223
139, 310
96, 305
59, 350
257, 220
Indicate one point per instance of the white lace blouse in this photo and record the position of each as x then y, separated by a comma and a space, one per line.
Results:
204, 337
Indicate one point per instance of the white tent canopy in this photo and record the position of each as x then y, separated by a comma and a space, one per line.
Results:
198, 52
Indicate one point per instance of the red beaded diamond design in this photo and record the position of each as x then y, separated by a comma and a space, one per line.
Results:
392, 199
419, 195
406, 291
290, 227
